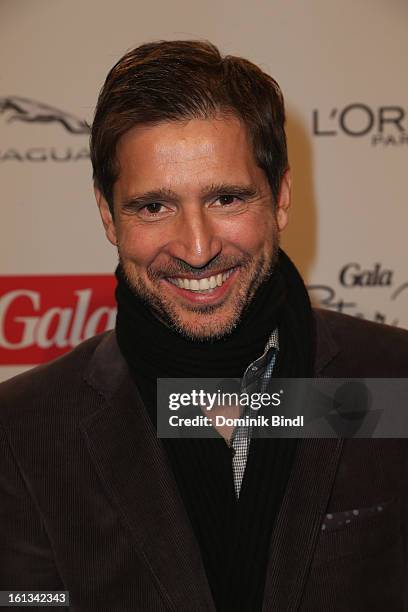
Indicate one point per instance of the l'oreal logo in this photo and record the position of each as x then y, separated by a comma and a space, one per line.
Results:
385, 125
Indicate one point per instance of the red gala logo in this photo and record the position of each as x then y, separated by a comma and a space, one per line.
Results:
43, 317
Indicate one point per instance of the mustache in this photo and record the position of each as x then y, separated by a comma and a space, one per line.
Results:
178, 266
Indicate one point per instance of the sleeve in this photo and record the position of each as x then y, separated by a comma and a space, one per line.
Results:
26, 558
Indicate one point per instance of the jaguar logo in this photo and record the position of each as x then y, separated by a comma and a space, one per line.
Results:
31, 111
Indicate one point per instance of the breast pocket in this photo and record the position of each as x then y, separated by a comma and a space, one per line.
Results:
358, 565
359, 532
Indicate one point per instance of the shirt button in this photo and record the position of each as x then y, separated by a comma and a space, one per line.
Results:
254, 368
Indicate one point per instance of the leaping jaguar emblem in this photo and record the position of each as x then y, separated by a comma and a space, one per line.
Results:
31, 111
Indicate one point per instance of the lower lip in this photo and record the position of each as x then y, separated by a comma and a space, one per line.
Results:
196, 297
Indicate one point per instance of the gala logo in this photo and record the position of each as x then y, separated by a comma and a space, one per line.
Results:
43, 317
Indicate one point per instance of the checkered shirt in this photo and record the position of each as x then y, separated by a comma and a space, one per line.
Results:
260, 371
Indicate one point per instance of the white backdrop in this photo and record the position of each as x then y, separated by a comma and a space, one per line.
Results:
341, 66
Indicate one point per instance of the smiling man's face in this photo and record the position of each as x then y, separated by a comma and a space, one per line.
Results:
194, 222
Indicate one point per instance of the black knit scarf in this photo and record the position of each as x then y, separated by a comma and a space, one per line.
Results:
233, 535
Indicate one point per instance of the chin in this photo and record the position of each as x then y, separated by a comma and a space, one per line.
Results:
203, 328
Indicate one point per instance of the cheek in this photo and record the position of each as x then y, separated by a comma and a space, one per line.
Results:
137, 245
250, 235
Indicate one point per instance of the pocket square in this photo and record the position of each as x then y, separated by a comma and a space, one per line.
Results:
337, 520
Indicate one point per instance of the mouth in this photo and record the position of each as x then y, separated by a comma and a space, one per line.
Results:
205, 290
202, 285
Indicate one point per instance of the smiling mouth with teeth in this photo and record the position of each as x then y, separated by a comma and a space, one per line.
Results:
202, 285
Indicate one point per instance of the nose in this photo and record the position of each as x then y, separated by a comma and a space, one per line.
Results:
195, 240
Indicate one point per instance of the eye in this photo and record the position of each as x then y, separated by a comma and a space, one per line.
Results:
153, 211
147, 211
153, 208
228, 200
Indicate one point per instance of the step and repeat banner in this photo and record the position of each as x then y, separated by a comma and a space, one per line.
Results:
341, 68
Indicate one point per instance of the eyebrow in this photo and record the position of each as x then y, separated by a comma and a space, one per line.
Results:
213, 190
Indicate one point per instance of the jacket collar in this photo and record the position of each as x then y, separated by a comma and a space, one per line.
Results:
134, 470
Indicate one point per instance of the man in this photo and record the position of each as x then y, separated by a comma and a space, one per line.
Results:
193, 187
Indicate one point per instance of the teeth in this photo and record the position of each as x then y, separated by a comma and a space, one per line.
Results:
204, 284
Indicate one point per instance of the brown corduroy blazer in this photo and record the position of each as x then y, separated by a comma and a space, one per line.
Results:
88, 502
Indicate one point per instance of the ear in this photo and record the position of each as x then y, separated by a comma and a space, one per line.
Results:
106, 217
284, 200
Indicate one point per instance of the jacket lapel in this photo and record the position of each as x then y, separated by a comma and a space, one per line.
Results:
132, 466
298, 523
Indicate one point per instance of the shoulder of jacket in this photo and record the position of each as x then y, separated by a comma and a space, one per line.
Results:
368, 348
59, 379
340, 324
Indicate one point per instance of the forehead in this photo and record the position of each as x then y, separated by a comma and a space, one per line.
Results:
194, 151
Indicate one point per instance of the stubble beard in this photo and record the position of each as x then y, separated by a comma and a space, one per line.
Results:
211, 328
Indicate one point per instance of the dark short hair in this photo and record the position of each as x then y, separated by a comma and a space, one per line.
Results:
184, 79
